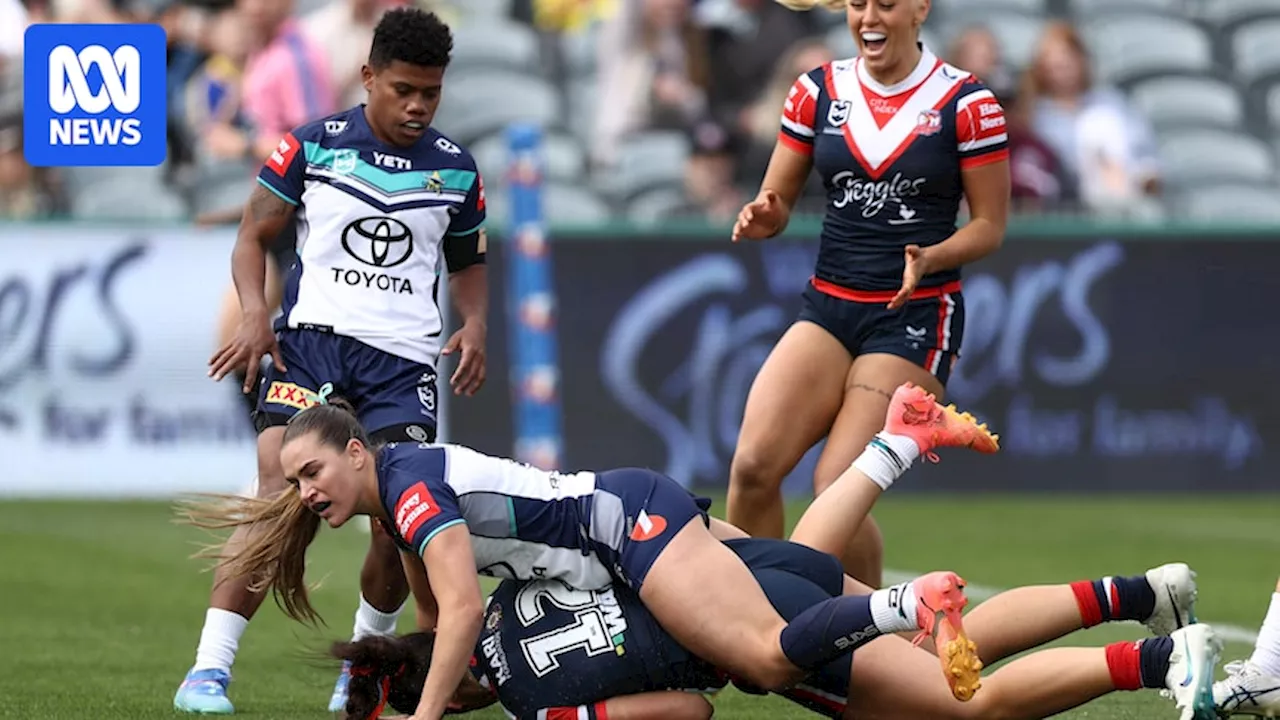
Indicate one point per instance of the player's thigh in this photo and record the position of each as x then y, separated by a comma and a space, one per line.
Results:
891, 680
868, 388
792, 401
229, 316
270, 472
313, 359
707, 599
396, 398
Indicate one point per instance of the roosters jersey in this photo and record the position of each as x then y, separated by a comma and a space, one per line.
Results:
374, 223
890, 158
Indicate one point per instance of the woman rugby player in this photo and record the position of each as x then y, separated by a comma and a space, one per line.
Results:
899, 138
548, 652
455, 511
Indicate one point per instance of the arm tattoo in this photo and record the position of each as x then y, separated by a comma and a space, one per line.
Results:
264, 205
868, 388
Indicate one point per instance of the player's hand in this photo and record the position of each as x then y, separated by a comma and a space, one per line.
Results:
253, 339
470, 373
761, 218
916, 268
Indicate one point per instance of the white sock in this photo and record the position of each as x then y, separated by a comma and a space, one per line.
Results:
893, 609
887, 456
372, 621
219, 640
1266, 652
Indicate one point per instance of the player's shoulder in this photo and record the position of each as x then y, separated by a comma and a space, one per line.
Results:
402, 464
335, 127
443, 152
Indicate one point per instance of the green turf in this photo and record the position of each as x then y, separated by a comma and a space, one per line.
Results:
101, 607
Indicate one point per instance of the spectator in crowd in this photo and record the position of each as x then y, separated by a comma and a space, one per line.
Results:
1039, 181
24, 191
13, 23
746, 39
213, 96
709, 174
1106, 146
344, 28
763, 119
977, 50
652, 74
287, 79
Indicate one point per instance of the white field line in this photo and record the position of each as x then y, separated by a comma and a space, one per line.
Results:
1233, 633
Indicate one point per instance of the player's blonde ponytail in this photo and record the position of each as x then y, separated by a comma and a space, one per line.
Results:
804, 5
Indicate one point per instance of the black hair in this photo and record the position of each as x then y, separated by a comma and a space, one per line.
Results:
412, 36
335, 422
385, 668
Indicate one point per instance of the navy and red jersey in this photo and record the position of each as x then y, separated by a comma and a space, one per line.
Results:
890, 158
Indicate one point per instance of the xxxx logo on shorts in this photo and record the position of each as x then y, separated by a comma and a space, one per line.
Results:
294, 396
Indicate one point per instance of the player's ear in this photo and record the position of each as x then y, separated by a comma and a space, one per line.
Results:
356, 453
366, 77
922, 11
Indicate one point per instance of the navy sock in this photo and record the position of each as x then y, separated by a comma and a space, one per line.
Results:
828, 630
1153, 660
1114, 598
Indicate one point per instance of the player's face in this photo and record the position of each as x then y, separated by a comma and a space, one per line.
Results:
403, 99
886, 30
327, 479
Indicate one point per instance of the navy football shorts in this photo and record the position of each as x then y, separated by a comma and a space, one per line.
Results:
394, 398
634, 514
927, 331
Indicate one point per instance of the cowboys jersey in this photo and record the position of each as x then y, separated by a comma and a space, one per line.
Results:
373, 224
890, 158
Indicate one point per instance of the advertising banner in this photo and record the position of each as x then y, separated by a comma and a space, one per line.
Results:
1106, 365
105, 337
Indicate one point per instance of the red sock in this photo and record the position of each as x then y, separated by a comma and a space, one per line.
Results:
1087, 599
1124, 660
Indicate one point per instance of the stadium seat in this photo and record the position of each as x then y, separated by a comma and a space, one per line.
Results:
1195, 157
115, 200
950, 8
582, 97
648, 160
562, 204
580, 52
487, 103
495, 44
1085, 9
1231, 203
1229, 12
652, 207
225, 194
1175, 101
1273, 107
1128, 46
1255, 49
563, 156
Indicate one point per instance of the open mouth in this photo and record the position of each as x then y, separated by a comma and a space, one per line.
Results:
873, 42
320, 507
413, 127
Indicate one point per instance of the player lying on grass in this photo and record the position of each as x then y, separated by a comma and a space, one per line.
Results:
549, 652
455, 511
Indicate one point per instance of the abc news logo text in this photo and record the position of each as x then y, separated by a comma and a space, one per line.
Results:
95, 95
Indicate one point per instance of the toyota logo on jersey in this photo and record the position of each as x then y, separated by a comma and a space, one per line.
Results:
378, 241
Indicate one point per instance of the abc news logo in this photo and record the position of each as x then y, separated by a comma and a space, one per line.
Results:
121, 90
94, 95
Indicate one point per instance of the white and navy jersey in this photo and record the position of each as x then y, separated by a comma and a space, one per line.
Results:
374, 223
890, 159
525, 523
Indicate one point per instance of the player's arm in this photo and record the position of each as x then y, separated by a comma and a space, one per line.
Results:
789, 166
665, 705
983, 144
272, 205
465, 254
451, 567
428, 612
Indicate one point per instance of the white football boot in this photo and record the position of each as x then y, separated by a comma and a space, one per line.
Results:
1196, 650
1175, 588
1248, 690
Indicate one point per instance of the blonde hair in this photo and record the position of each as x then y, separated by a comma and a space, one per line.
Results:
804, 5
274, 553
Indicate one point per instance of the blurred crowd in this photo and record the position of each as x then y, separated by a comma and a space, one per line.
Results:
242, 72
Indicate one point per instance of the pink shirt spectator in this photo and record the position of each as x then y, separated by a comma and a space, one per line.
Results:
287, 84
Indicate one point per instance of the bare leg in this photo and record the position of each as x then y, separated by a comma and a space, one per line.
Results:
232, 593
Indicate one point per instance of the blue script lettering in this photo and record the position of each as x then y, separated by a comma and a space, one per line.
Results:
30, 308
999, 322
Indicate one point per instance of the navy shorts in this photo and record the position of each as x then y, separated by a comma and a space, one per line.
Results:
795, 578
394, 398
927, 331
634, 514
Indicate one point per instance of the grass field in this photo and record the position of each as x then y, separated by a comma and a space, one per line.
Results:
102, 608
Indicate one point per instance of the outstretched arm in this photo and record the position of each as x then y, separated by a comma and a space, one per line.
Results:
451, 567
